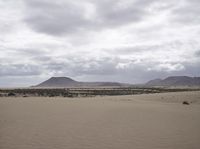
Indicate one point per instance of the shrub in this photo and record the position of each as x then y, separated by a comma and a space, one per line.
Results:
185, 103
11, 94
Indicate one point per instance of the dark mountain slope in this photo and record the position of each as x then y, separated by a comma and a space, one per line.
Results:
68, 82
175, 81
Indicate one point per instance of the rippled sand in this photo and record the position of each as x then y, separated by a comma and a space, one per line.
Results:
158, 121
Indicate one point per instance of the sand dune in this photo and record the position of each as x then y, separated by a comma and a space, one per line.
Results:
156, 121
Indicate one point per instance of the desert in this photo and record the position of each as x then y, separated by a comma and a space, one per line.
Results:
159, 120
99, 74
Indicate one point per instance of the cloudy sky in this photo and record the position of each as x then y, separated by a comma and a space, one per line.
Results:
98, 40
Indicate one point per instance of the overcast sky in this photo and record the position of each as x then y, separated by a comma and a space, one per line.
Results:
98, 40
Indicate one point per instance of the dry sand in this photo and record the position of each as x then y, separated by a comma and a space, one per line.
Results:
157, 121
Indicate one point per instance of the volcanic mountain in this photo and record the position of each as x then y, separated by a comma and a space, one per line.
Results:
175, 81
57, 82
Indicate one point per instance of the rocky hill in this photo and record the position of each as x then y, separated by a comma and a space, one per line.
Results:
55, 82
175, 81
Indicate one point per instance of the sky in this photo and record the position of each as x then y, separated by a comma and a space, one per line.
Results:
130, 41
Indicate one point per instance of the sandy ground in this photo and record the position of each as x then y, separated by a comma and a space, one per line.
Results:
157, 121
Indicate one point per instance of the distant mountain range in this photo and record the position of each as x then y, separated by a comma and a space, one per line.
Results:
175, 81
55, 82
65, 82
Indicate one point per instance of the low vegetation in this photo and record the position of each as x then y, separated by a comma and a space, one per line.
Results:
83, 92
186, 103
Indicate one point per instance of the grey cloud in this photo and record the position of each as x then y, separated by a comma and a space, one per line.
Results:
62, 17
54, 18
29, 52
112, 14
130, 50
18, 81
197, 53
139, 73
188, 12
105, 67
19, 70
192, 69
128, 69
101, 69
77, 67
143, 49
8, 22
162, 49
106, 70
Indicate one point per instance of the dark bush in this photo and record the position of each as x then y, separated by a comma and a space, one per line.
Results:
185, 103
11, 94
